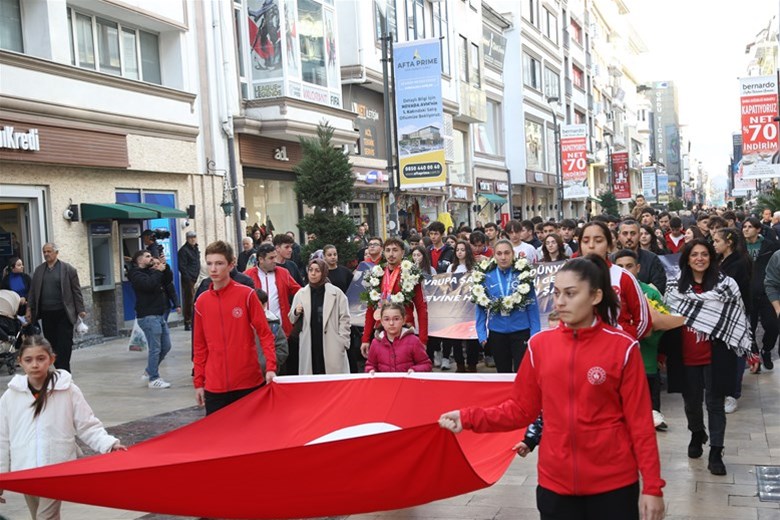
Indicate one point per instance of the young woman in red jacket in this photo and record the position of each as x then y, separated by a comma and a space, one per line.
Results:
633, 314
589, 378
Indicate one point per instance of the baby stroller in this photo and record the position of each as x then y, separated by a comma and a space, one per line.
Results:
10, 329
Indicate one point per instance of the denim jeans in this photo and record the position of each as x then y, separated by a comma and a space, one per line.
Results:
159, 339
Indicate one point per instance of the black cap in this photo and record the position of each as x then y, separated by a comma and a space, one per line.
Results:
147, 232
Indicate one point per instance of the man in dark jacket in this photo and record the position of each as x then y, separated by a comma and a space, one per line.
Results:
149, 278
189, 269
761, 249
652, 270
248, 249
55, 298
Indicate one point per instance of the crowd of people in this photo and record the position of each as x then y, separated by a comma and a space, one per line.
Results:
625, 323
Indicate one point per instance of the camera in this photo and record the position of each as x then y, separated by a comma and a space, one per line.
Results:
161, 233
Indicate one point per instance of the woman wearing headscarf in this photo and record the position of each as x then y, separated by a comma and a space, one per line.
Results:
324, 338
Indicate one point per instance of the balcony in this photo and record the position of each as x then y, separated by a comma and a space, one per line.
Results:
472, 106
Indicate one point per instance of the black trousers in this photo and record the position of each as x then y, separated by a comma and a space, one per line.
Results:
619, 504
762, 309
187, 299
455, 347
654, 384
217, 400
699, 390
58, 330
508, 349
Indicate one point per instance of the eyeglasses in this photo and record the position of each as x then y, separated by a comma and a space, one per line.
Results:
374, 244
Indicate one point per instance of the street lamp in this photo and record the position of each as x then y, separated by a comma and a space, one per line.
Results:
558, 172
393, 223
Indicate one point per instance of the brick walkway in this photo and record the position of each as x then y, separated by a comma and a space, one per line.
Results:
109, 375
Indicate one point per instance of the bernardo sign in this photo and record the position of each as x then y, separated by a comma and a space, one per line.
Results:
11, 140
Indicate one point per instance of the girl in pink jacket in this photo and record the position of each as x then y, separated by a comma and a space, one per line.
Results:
397, 349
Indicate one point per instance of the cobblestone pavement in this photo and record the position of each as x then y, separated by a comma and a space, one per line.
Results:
109, 375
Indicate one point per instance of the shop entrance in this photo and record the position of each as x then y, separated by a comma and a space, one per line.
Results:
22, 225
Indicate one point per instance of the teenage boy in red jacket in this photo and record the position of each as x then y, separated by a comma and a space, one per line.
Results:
224, 350
391, 284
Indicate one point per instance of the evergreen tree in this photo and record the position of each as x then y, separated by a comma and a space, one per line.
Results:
609, 203
325, 184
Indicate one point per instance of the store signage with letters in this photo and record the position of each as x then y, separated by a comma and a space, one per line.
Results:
502, 187
280, 154
12, 140
485, 186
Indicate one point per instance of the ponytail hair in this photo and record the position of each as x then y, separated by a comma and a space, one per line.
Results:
51, 378
594, 270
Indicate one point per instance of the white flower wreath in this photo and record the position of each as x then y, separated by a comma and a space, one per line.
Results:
519, 299
410, 277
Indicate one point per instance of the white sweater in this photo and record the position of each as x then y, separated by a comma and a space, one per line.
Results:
50, 438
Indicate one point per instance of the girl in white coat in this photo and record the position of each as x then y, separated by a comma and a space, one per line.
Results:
41, 414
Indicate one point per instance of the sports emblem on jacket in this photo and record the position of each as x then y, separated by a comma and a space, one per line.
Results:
597, 375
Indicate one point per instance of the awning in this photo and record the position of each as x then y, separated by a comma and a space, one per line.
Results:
128, 211
495, 199
162, 211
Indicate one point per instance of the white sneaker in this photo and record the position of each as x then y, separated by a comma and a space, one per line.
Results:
145, 377
445, 364
659, 421
159, 384
437, 358
730, 406
489, 362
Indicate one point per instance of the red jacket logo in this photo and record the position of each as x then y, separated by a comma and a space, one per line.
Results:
238, 312
597, 375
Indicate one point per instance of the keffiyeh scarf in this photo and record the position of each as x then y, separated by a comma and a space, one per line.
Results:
718, 313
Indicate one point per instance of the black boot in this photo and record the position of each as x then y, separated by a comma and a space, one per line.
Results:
698, 439
716, 465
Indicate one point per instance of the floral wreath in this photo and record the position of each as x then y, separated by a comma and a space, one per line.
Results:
520, 297
410, 277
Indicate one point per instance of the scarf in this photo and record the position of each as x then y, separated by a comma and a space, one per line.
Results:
718, 313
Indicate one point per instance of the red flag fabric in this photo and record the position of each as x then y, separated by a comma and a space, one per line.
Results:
301, 447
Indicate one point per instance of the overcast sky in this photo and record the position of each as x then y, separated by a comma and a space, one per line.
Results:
700, 45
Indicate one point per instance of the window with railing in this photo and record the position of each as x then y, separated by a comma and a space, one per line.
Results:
552, 83
575, 30
578, 77
11, 26
532, 72
109, 46
550, 26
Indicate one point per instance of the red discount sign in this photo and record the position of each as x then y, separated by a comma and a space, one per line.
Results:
574, 161
622, 183
759, 107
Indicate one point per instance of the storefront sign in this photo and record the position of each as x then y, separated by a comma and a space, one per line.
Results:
61, 145
649, 184
16, 140
280, 154
759, 130
574, 161
419, 114
485, 186
502, 187
622, 182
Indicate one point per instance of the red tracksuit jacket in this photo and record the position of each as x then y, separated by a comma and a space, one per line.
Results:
418, 303
224, 349
598, 425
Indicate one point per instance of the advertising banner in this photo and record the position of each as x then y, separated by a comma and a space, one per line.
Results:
758, 99
622, 184
648, 184
419, 114
574, 161
450, 311
663, 188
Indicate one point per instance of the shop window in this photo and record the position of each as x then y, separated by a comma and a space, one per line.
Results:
487, 138
11, 25
532, 72
534, 150
111, 47
271, 202
310, 28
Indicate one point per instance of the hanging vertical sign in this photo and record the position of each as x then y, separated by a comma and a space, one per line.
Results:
663, 188
419, 114
758, 99
574, 161
622, 184
649, 184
